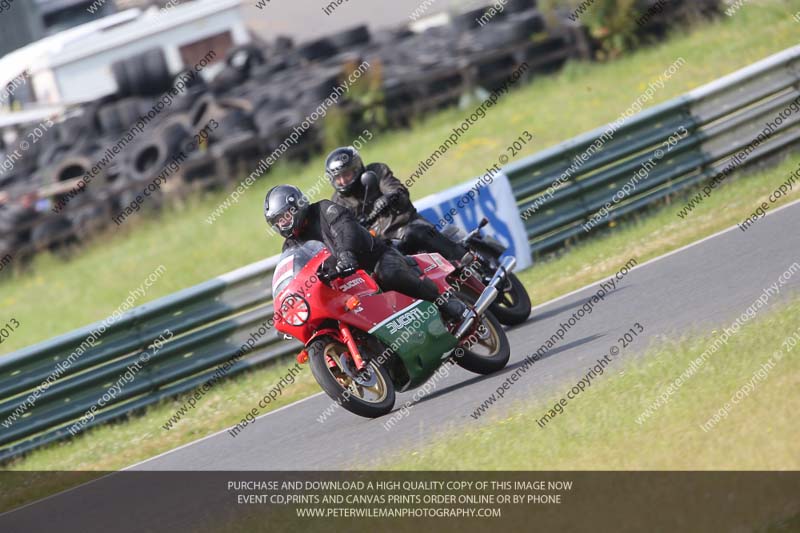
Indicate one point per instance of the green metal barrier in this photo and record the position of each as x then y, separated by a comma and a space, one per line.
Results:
720, 119
211, 321
209, 324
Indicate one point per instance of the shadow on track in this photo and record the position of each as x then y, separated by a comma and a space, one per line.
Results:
536, 317
506, 370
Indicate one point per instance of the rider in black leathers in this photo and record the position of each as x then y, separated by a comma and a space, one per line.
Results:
389, 203
289, 213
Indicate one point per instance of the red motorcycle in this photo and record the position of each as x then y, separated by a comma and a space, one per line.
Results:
364, 344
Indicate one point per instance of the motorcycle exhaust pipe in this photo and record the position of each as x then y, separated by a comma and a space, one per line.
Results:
491, 292
488, 296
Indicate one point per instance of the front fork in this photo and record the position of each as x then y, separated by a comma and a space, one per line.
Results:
347, 336
344, 335
488, 296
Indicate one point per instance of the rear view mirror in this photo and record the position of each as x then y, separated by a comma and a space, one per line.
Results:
369, 179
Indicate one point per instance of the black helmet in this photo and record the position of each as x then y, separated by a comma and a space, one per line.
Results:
344, 168
285, 209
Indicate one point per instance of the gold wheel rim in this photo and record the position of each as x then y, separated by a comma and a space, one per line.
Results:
369, 394
490, 340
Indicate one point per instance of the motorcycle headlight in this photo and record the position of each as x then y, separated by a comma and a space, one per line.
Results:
294, 310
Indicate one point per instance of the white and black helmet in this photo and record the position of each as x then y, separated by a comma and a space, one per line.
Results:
344, 167
285, 209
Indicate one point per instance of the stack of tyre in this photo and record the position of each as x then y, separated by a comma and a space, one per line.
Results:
429, 70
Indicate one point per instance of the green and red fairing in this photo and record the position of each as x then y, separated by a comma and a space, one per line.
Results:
305, 308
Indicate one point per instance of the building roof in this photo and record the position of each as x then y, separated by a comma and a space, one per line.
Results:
150, 23
30, 57
108, 32
49, 6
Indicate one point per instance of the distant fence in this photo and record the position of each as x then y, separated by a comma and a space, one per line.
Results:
716, 125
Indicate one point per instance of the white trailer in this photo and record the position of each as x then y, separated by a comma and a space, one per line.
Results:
75, 67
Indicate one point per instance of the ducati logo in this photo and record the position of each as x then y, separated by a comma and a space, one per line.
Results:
404, 320
350, 284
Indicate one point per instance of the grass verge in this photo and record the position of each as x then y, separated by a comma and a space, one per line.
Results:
598, 430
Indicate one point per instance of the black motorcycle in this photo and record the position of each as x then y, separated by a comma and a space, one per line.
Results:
513, 305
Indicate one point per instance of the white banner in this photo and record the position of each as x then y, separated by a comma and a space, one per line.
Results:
489, 196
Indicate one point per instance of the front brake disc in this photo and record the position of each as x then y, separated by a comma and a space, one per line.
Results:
365, 379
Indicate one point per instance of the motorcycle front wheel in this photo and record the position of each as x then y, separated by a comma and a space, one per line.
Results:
486, 350
513, 306
370, 394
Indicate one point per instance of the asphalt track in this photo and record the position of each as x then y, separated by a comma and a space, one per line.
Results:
704, 285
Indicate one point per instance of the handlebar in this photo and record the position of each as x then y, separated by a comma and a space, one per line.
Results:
484, 221
328, 276
370, 220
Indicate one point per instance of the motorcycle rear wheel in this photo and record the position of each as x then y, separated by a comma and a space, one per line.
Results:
372, 396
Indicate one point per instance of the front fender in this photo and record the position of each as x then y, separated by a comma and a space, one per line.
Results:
325, 331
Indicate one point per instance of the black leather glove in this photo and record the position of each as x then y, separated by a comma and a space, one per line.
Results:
327, 270
347, 263
380, 205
